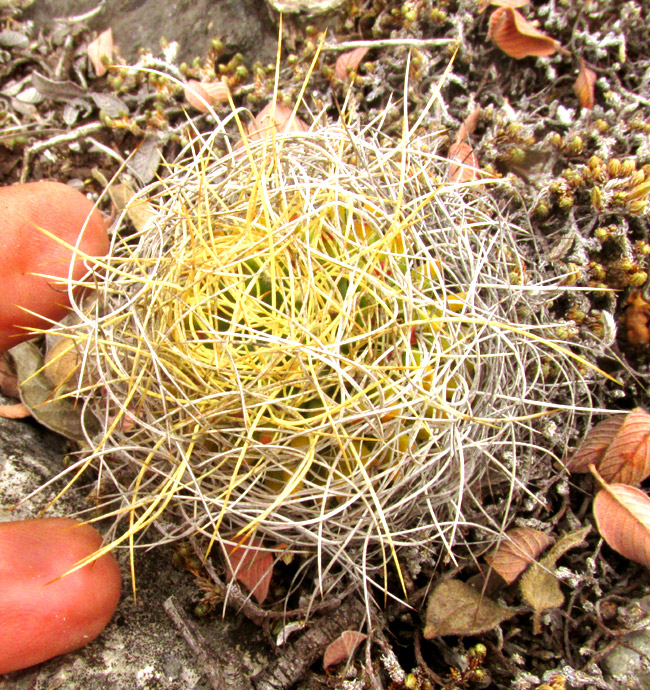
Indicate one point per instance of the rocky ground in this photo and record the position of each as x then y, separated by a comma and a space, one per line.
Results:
575, 175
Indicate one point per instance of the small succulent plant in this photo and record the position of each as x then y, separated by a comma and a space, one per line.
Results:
317, 339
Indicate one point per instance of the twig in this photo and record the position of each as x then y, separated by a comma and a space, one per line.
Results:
430, 673
296, 659
53, 141
221, 673
83, 17
390, 42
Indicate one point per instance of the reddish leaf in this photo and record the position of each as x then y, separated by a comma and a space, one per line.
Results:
521, 546
348, 62
278, 118
464, 164
204, 95
484, 4
252, 567
623, 517
99, 50
584, 86
342, 648
517, 37
16, 411
627, 459
595, 444
469, 125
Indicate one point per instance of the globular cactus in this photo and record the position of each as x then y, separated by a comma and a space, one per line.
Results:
315, 338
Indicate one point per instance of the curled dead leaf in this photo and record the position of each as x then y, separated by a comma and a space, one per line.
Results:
275, 117
342, 648
101, 50
16, 411
517, 37
566, 542
205, 95
252, 566
137, 209
61, 364
469, 125
463, 163
520, 546
627, 459
59, 414
596, 442
623, 517
584, 86
618, 447
455, 608
348, 62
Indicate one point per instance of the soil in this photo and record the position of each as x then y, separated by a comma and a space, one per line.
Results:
569, 174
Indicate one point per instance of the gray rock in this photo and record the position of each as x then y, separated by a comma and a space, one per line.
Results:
243, 25
628, 664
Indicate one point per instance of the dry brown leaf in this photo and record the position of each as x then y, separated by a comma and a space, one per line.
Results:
252, 567
463, 163
455, 608
348, 62
205, 95
627, 459
61, 364
584, 86
16, 411
541, 590
278, 118
342, 648
8, 378
520, 546
469, 125
596, 442
567, 541
623, 517
59, 414
138, 211
517, 37
484, 4
539, 586
99, 50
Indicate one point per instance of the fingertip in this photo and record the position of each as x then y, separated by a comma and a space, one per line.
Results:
43, 614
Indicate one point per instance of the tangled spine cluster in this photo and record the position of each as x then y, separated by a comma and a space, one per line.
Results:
319, 340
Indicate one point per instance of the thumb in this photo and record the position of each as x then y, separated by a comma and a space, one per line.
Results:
40, 620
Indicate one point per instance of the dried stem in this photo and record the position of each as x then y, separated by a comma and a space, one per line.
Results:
222, 674
298, 657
